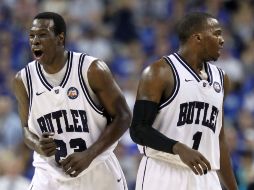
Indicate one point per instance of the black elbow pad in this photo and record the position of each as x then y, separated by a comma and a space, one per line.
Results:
137, 134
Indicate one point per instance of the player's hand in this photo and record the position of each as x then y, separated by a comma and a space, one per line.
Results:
46, 145
194, 159
77, 162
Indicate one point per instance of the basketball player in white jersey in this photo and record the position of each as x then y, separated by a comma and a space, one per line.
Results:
72, 113
178, 114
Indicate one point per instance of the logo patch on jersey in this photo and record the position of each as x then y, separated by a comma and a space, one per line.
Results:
216, 87
72, 93
57, 91
39, 93
188, 80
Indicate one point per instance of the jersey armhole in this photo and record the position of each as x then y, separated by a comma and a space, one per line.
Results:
176, 84
23, 74
222, 73
85, 85
27, 81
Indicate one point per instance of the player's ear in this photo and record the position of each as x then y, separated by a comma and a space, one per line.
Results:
197, 37
60, 39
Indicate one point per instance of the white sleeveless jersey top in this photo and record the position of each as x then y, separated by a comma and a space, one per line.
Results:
193, 114
69, 110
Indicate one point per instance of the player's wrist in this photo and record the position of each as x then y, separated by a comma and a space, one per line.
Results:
232, 186
93, 152
37, 148
176, 149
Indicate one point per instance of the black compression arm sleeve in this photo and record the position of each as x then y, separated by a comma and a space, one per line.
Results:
141, 130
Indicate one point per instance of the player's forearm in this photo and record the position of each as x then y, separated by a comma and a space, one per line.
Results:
227, 177
228, 180
226, 173
31, 140
148, 136
111, 134
141, 130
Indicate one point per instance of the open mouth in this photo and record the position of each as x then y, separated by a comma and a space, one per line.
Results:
38, 54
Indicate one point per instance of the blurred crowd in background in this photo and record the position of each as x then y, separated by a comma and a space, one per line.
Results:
128, 35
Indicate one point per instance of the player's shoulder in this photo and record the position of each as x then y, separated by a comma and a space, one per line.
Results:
27, 66
221, 72
225, 79
33, 62
17, 82
86, 56
95, 66
216, 68
17, 76
92, 62
158, 68
98, 68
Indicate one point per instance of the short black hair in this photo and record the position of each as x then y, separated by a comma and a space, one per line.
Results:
59, 23
191, 23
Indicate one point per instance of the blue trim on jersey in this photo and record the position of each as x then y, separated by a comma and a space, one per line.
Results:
221, 78
144, 173
209, 73
66, 75
68, 70
41, 76
84, 87
179, 58
144, 150
31, 187
176, 84
196, 76
29, 86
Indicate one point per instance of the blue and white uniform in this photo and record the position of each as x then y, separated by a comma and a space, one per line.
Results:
191, 115
72, 111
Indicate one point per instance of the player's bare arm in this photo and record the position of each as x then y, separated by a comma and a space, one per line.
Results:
110, 96
226, 173
44, 145
154, 81
112, 99
157, 83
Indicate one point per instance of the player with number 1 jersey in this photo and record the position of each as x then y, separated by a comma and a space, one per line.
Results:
196, 118
178, 114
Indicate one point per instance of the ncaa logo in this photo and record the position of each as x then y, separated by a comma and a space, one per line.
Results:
216, 87
72, 93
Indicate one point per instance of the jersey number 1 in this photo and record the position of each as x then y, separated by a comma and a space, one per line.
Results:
196, 137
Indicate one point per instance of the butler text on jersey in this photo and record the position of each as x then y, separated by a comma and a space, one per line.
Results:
59, 118
188, 109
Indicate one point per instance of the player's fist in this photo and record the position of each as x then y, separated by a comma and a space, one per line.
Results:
46, 145
77, 162
192, 158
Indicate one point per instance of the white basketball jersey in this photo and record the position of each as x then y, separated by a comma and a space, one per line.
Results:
69, 110
193, 114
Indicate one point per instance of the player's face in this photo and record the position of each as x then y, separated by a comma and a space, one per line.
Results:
44, 43
212, 40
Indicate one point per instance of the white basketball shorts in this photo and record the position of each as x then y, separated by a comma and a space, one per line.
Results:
154, 174
107, 175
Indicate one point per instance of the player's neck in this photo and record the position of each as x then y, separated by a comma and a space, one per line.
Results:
203, 74
191, 58
57, 63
